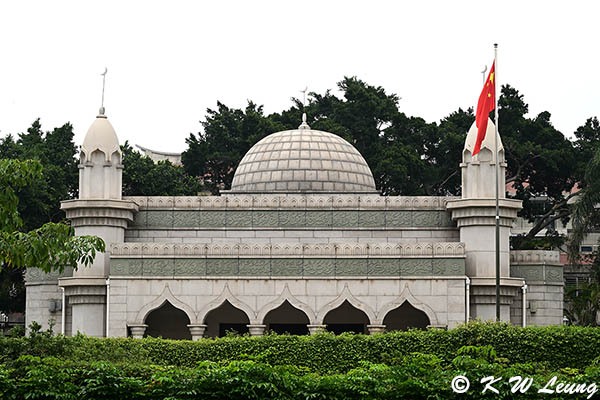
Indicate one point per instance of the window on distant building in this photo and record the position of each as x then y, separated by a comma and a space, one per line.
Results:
586, 249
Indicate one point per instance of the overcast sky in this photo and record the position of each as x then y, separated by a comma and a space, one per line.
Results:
169, 61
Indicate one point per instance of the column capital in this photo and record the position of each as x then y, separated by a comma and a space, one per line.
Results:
197, 331
256, 330
137, 330
99, 212
374, 329
471, 212
314, 329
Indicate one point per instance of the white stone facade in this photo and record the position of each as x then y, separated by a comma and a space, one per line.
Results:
309, 255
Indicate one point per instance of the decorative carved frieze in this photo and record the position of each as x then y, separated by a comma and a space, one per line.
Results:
535, 257
350, 249
276, 201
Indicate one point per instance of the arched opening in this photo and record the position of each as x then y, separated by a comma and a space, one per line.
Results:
287, 319
226, 318
168, 322
346, 318
404, 317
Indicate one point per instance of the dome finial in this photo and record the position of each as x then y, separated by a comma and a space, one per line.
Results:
304, 125
102, 110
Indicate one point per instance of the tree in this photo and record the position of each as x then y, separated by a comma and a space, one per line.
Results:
228, 134
50, 247
541, 162
39, 202
142, 177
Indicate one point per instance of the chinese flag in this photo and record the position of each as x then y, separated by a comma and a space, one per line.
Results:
486, 103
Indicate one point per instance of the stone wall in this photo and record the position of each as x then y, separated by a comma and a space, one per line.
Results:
543, 273
41, 289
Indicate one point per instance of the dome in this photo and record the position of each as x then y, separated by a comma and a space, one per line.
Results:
101, 136
303, 160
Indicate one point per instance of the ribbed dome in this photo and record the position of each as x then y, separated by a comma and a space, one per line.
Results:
303, 160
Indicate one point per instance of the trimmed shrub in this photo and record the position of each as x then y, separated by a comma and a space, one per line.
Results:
554, 347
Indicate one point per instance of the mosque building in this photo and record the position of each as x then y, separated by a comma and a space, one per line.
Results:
303, 242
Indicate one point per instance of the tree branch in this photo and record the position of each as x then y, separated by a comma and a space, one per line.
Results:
548, 218
521, 166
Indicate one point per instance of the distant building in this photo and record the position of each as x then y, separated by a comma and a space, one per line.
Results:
156, 156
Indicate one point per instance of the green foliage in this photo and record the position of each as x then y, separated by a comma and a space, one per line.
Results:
401, 365
558, 347
419, 376
50, 247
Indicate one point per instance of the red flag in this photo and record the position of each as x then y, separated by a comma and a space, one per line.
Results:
486, 103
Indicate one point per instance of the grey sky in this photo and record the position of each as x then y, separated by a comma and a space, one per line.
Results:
168, 61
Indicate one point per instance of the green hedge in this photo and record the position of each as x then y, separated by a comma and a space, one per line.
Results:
416, 376
557, 347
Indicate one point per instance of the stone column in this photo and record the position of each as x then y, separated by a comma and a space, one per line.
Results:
137, 331
88, 301
197, 331
108, 220
256, 330
314, 329
374, 329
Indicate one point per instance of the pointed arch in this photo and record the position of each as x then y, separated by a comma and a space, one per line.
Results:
287, 295
346, 295
165, 296
406, 295
226, 295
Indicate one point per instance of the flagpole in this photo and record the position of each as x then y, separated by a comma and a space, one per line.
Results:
497, 184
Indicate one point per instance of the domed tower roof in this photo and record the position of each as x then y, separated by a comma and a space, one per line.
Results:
303, 160
101, 136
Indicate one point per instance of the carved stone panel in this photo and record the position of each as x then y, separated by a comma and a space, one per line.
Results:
448, 266
349, 267
319, 267
528, 272
190, 267
371, 219
292, 219
212, 219
126, 267
345, 219
160, 219
425, 218
265, 219
185, 219
416, 267
554, 273
157, 267
398, 218
222, 266
255, 267
239, 218
319, 219
383, 267
286, 267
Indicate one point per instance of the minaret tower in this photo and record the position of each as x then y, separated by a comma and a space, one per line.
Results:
101, 212
475, 215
